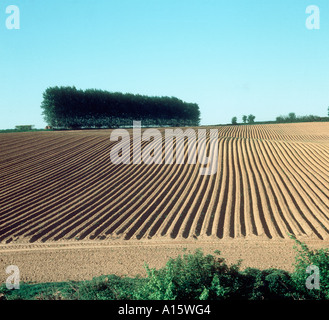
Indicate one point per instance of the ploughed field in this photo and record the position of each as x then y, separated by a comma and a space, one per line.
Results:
271, 180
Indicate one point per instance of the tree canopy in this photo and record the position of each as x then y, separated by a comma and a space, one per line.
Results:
68, 107
251, 118
291, 117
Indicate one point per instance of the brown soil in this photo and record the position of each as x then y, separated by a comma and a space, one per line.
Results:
67, 212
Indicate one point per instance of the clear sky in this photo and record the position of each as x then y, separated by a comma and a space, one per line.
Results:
232, 57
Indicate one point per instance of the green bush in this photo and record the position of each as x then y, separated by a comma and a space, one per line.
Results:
305, 258
267, 284
199, 277
193, 276
39, 291
109, 287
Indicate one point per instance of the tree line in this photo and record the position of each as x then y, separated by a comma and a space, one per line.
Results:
68, 107
290, 118
246, 119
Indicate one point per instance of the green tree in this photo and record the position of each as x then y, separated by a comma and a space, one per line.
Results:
234, 120
244, 119
251, 118
279, 119
292, 117
67, 107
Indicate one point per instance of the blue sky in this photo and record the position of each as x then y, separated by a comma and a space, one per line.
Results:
231, 57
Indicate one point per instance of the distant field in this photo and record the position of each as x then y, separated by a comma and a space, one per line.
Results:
271, 180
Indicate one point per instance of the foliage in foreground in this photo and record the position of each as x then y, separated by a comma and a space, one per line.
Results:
305, 258
192, 277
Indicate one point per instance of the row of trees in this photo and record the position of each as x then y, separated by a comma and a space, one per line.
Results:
291, 117
68, 107
246, 119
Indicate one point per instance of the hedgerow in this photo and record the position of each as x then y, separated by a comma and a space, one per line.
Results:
193, 276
